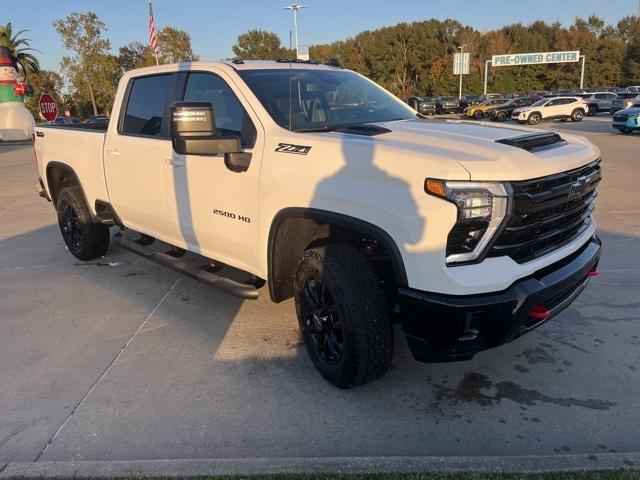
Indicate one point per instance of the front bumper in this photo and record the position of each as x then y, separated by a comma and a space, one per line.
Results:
441, 328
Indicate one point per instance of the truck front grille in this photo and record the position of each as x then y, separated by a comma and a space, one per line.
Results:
547, 213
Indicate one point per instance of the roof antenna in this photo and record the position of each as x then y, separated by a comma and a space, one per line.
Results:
290, 85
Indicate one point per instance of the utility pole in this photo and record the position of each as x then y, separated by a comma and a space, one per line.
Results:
294, 7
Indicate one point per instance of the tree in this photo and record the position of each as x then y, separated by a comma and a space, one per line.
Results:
259, 44
43, 81
92, 71
20, 49
135, 55
175, 46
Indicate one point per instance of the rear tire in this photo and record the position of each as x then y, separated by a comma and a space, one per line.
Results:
501, 116
343, 316
593, 110
577, 115
84, 238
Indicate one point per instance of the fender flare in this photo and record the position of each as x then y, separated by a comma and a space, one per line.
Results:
332, 218
70, 171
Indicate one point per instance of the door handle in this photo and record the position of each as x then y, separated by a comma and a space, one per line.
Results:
114, 152
174, 162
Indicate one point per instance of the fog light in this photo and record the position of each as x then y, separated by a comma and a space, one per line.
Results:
593, 272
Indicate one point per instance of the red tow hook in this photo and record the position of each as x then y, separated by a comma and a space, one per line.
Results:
539, 312
593, 272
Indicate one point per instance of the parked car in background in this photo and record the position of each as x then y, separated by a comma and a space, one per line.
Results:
634, 89
623, 100
627, 120
538, 94
61, 121
97, 120
477, 111
598, 101
551, 108
503, 112
468, 100
446, 104
490, 96
423, 105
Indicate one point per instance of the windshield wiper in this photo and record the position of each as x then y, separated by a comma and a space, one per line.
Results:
323, 128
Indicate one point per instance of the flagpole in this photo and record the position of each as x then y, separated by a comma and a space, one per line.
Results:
152, 34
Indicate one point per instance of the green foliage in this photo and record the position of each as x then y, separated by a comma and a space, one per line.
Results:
175, 46
91, 70
416, 58
20, 49
259, 44
43, 81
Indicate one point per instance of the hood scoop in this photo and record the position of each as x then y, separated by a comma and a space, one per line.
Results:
535, 142
366, 130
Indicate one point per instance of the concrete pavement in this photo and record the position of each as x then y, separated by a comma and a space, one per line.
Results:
122, 360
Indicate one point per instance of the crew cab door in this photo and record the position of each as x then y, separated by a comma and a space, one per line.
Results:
211, 208
135, 155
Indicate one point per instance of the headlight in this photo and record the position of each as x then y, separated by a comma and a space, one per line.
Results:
482, 207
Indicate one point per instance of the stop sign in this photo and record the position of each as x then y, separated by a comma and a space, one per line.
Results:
48, 107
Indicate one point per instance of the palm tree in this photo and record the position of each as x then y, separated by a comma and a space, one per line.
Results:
19, 48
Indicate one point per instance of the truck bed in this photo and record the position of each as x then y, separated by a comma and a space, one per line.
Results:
78, 147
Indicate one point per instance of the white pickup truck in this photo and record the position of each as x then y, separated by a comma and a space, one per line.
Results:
316, 180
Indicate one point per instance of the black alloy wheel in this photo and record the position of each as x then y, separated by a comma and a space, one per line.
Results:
321, 321
71, 231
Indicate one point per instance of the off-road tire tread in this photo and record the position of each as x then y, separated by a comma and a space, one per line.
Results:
358, 293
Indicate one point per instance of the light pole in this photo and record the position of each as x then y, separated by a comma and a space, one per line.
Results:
461, 66
294, 7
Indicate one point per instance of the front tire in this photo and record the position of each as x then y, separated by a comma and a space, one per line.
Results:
593, 110
534, 118
343, 316
84, 238
478, 114
577, 115
501, 116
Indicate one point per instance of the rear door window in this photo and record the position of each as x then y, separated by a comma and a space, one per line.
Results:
147, 106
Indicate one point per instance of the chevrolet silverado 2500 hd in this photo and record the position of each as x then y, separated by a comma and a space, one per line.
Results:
318, 181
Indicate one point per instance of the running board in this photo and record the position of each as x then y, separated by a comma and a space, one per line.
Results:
199, 273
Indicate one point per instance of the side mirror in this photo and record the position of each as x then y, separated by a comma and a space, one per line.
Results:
193, 132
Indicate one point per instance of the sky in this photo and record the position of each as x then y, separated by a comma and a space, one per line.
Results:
214, 24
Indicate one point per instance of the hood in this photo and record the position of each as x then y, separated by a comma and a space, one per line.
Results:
474, 146
629, 111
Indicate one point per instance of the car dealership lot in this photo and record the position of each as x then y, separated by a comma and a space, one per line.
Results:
121, 359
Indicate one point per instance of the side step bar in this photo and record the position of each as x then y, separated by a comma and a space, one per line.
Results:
232, 287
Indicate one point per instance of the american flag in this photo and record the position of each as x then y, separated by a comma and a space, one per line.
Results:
152, 31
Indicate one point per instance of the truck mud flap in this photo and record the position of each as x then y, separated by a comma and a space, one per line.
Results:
200, 273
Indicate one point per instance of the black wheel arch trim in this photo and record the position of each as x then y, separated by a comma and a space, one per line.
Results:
63, 166
338, 219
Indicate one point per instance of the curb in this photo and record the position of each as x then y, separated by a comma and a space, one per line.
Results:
344, 465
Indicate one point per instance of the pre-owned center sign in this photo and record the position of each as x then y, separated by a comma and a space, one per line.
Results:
512, 59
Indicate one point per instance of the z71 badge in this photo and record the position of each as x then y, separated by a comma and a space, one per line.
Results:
290, 148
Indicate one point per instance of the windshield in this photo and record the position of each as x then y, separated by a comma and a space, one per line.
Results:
323, 99
540, 102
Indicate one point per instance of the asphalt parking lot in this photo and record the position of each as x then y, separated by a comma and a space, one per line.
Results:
120, 359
